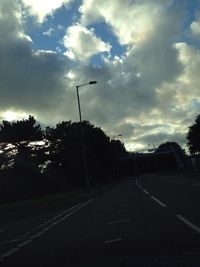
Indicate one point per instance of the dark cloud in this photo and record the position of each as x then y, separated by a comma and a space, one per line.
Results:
162, 137
139, 95
32, 81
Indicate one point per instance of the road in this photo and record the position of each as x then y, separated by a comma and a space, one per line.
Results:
149, 220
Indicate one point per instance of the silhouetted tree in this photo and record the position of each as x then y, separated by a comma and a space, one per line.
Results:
169, 147
176, 150
67, 153
193, 137
21, 130
118, 148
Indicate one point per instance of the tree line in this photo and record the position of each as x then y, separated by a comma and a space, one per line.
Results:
51, 159
38, 161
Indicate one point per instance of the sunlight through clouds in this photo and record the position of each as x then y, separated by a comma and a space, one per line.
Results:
12, 115
42, 8
82, 43
144, 54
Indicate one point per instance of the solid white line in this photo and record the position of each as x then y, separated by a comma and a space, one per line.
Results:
158, 201
24, 236
191, 225
113, 240
146, 191
120, 221
44, 230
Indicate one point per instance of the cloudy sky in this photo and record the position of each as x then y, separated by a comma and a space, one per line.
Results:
144, 54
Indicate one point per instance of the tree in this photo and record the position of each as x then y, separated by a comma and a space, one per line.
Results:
177, 152
170, 147
21, 130
67, 153
193, 137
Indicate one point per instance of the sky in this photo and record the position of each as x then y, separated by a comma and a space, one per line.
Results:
144, 55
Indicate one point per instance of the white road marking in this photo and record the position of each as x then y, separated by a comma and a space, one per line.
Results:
120, 221
191, 225
146, 191
158, 201
10, 252
154, 198
26, 241
113, 240
24, 236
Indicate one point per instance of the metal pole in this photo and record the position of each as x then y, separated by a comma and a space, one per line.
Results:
83, 143
79, 106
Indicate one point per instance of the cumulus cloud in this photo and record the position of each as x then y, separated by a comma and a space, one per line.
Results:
82, 43
49, 32
150, 94
31, 81
195, 28
131, 21
41, 9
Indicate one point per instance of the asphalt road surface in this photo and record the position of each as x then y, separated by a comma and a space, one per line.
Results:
145, 221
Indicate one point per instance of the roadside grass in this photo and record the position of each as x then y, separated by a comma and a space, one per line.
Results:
70, 196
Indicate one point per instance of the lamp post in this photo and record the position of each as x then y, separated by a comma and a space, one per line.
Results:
82, 135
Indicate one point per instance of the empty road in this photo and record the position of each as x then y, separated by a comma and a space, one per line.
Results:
149, 220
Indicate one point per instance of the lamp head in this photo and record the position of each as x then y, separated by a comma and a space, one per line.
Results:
92, 82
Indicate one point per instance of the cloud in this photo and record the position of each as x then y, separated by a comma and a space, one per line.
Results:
131, 21
49, 32
195, 25
195, 28
31, 81
82, 43
40, 9
150, 94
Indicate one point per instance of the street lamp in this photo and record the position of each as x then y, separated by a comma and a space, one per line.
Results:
115, 136
82, 134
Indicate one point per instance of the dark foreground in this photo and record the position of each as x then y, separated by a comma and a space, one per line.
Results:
148, 221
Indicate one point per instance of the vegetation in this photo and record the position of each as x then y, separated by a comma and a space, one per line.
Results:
35, 162
55, 163
23, 130
171, 147
193, 137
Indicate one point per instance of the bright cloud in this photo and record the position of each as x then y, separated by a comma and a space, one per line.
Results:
82, 43
49, 32
132, 21
149, 93
41, 9
195, 27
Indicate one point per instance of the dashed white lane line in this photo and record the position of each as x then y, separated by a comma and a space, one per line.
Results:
158, 201
44, 230
120, 221
154, 198
187, 222
113, 240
